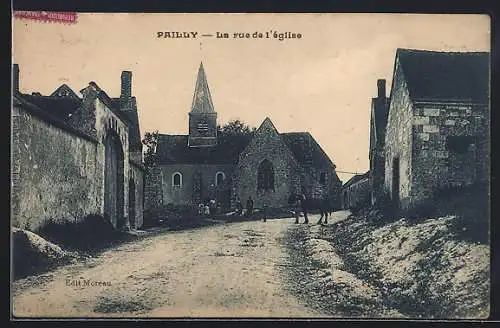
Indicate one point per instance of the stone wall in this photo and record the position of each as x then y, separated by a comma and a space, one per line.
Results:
435, 164
288, 175
398, 139
56, 173
153, 197
59, 167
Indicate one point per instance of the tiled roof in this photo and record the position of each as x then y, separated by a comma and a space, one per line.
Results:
458, 76
59, 107
355, 179
64, 91
54, 117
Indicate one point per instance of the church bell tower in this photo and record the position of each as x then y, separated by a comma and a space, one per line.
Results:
202, 118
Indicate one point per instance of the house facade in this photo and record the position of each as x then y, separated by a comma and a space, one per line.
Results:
356, 192
437, 127
73, 156
266, 165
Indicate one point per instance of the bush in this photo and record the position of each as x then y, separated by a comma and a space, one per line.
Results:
89, 234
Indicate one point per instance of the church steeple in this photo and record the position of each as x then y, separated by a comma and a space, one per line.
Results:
202, 117
202, 100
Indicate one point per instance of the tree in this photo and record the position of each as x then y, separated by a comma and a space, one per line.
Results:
235, 127
150, 140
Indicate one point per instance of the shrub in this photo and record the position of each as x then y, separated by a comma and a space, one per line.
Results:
89, 234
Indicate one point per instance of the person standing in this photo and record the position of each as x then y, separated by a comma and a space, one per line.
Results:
249, 206
303, 206
297, 207
239, 206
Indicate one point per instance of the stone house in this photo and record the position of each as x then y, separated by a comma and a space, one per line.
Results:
72, 157
356, 192
378, 122
437, 128
266, 165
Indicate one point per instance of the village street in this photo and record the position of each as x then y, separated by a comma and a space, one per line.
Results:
234, 269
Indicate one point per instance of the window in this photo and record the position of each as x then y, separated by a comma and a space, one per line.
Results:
202, 127
177, 179
265, 176
219, 178
322, 178
459, 144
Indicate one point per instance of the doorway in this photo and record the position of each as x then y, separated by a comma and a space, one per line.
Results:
113, 180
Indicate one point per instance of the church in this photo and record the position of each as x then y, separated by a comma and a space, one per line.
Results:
266, 165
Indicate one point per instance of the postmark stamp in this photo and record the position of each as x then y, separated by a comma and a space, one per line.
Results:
48, 16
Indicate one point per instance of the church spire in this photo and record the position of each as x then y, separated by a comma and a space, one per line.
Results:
202, 100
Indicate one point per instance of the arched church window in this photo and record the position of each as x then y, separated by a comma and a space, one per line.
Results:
265, 176
219, 178
177, 179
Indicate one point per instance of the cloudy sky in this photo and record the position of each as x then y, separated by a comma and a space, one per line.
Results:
322, 83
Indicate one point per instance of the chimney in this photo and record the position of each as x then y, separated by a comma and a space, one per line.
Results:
381, 88
126, 84
15, 78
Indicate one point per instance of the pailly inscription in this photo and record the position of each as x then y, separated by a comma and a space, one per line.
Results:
271, 34
82, 282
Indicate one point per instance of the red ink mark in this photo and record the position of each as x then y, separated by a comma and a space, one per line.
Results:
48, 16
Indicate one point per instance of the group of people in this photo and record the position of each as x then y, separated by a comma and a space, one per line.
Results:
208, 207
299, 202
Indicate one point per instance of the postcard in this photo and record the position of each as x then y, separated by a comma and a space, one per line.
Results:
306, 166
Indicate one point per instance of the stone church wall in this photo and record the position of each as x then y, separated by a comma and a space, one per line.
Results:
267, 144
55, 173
185, 194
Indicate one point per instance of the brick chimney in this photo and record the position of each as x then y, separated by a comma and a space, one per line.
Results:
15, 78
126, 84
381, 88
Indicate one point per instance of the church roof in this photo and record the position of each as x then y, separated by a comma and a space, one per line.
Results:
457, 76
306, 150
202, 100
174, 149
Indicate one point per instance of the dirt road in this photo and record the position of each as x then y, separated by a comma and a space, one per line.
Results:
227, 270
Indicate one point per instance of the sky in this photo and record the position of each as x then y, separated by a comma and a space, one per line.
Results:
321, 83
